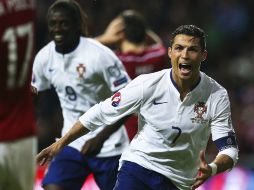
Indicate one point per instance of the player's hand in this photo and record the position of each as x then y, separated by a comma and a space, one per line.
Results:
115, 29
34, 90
204, 171
47, 154
113, 33
92, 146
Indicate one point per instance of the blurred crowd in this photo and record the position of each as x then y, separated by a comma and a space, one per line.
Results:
229, 27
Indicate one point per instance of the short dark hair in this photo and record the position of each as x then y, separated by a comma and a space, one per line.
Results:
135, 26
190, 30
77, 13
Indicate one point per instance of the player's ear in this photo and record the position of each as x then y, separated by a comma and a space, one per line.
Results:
204, 56
169, 51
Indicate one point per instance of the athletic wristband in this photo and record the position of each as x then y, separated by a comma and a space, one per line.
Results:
214, 168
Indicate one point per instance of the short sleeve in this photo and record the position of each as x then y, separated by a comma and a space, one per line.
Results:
113, 71
124, 102
221, 123
39, 80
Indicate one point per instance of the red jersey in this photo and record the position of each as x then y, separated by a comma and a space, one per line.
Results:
17, 20
153, 59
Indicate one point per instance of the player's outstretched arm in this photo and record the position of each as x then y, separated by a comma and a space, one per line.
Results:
221, 163
48, 153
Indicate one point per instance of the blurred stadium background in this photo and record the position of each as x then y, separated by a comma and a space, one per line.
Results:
229, 26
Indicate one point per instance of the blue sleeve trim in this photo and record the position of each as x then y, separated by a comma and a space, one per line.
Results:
226, 142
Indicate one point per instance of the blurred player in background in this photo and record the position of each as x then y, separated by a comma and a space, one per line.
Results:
83, 73
18, 143
178, 110
137, 46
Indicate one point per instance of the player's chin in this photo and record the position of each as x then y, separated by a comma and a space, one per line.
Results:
59, 44
186, 76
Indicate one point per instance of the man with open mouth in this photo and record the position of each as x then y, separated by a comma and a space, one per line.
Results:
178, 110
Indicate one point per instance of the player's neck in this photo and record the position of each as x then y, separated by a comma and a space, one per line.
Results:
127, 47
65, 49
185, 86
184, 89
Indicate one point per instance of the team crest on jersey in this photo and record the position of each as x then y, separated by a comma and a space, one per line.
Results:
81, 70
116, 99
200, 109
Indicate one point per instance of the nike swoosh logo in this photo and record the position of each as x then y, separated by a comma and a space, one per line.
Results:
157, 103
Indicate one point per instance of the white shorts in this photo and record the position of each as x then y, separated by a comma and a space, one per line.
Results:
17, 164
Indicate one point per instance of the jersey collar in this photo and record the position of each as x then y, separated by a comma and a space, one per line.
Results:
175, 85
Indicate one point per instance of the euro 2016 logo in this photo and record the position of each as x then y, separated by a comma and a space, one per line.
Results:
116, 99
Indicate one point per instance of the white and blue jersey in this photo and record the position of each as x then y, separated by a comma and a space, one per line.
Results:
171, 132
82, 78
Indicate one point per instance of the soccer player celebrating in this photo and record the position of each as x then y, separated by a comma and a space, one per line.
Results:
18, 142
83, 73
178, 109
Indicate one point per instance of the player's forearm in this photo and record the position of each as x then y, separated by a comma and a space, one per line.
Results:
152, 37
223, 162
102, 39
75, 132
107, 131
107, 40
